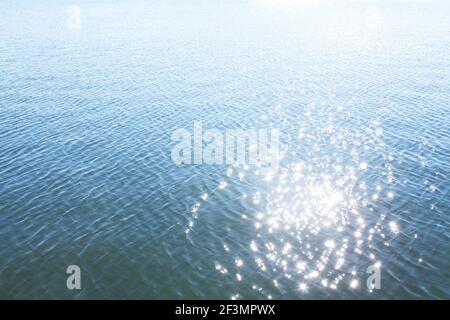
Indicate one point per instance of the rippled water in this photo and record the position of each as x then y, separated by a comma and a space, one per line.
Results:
360, 91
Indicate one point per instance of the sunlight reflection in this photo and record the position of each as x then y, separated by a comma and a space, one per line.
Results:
314, 220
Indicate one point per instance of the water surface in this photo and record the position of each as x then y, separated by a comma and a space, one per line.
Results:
360, 91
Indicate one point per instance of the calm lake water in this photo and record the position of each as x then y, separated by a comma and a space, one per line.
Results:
360, 91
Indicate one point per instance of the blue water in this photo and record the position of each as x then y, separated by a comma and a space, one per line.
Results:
360, 91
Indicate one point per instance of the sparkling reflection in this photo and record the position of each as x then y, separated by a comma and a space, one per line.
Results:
313, 219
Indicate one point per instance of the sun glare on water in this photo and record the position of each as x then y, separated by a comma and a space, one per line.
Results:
314, 221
